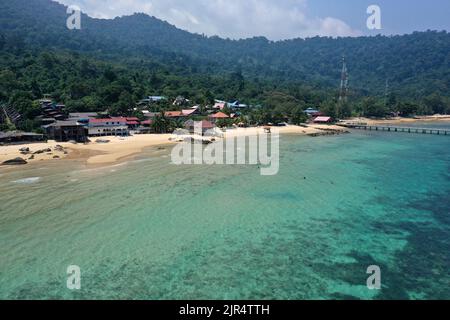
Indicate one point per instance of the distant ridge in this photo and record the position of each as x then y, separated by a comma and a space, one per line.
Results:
416, 64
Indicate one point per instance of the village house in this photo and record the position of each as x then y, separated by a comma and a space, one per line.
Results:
190, 112
108, 127
83, 115
219, 105
12, 137
132, 123
145, 127
52, 111
174, 114
311, 112
205, 125
151, 99
323, 120
218, 116
63, 131
150, 115
236, 105
179, 101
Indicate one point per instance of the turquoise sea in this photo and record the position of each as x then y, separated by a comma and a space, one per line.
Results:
146, 229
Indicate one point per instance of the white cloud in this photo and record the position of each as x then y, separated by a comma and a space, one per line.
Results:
274, 19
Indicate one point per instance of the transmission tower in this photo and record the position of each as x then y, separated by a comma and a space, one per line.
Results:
344, 81
386, 92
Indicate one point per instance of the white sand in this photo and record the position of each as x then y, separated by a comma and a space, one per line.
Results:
120, 148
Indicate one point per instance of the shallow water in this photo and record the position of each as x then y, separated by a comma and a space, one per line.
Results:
147, 229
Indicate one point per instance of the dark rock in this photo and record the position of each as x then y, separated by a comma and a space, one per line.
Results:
43, 151
31, 158
55, 157
13, 162
24, 150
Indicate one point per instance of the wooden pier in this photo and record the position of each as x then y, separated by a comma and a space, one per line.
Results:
443, 132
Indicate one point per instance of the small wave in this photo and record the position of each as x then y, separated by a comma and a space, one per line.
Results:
28, 180
141, 160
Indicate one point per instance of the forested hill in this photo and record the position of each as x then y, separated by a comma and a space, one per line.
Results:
415, 65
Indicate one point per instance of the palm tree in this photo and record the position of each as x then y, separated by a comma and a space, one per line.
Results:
160, 123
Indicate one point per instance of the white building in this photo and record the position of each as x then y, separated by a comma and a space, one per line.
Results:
108, 127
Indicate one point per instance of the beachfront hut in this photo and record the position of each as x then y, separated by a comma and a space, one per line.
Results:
62, 131
20, 137
323, 120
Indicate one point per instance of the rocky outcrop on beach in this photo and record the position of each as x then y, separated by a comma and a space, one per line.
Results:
24, 150
328, 132
14, 162
47, 150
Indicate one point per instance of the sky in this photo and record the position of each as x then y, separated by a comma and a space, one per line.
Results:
280, 19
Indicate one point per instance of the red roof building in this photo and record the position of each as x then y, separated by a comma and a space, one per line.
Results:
108, 121
132, 123
147, 123
205, 125
323, 120
174, 114
219, 115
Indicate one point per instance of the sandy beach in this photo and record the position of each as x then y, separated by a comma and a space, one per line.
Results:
399, 120
121, 148
95, 153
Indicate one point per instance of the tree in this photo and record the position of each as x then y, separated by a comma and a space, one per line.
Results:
162, 124
408, 108
373, 107
224, 123
435, 102
329, 108
298, 117
125, 103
